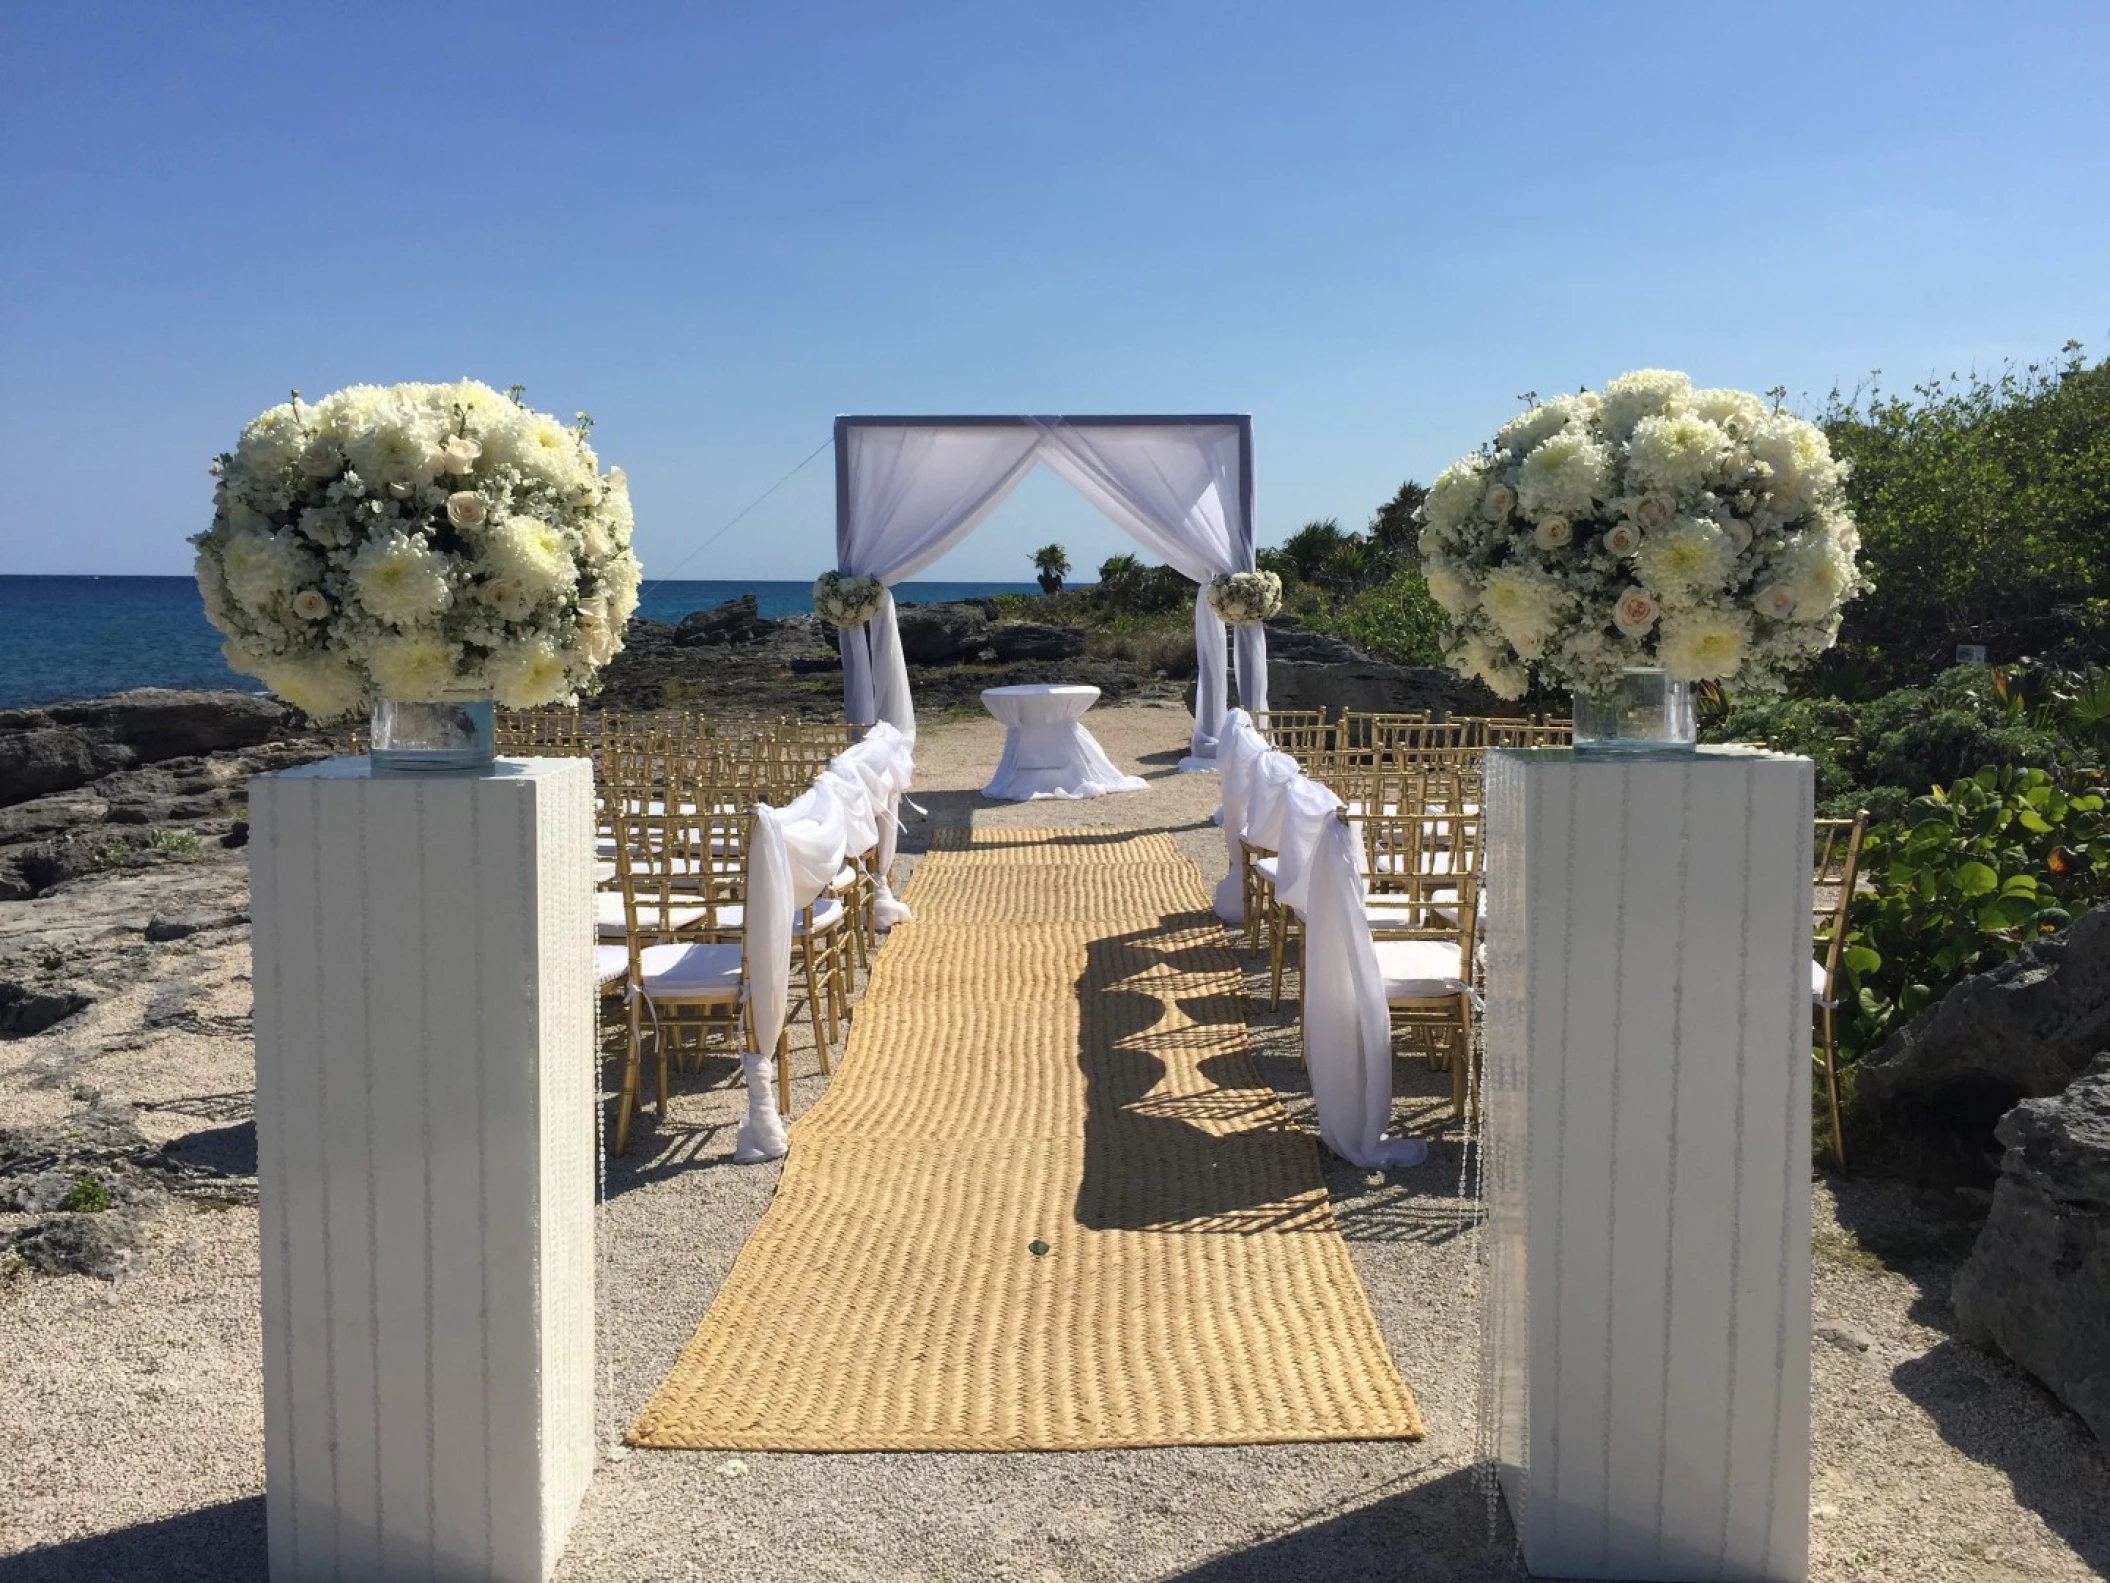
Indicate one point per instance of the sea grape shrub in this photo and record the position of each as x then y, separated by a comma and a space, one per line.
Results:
1968, 877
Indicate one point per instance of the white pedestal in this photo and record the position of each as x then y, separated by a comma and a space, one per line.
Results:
1648, 1133
425, 1147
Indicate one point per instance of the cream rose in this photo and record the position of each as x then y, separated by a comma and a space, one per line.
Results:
1553, 533
459, 454
1653, 511
310, 605
1622, 538
1635, 614
1776, 602
1500, 501
465, 509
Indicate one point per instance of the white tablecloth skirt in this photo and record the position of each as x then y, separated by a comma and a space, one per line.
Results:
1047, 751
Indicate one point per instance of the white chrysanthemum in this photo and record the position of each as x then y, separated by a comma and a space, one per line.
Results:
1525, 434
1703, 645
1691, 557
1455, 496
320, 686
400, 581
272, 442
399, 448
1568, 475
621, 576
1798, 462
532, 553
1676, 453
1451, 590
527, 674
1644, 393
1522, 602
413, 667
1817, 572
1726, 408
262, 567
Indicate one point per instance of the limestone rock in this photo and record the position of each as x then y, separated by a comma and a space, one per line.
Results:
2037, 1285
62, 746
738, 620
1012, 641
941, 634
31, 1008
2021, 1031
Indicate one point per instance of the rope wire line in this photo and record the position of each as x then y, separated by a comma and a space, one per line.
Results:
1047, 1202
739, 516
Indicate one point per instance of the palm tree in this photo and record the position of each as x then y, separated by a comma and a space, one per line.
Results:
1051, 563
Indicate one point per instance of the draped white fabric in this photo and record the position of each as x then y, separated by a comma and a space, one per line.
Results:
909, 492
797, 851
1347, 1026
1237, 754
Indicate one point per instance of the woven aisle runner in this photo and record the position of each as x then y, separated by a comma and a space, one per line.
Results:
1053, 1052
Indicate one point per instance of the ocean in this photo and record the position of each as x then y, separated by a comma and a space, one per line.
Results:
80, 637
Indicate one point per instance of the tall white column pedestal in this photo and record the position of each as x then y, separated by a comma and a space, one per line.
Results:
1648, 1133
425, 1150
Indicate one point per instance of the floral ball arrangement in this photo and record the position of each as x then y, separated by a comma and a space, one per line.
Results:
843, 600
1653, 525
1242, 598
417, 541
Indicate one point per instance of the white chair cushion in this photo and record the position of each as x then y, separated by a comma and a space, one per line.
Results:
845, 877
610, 963
609, 923
691, 972
1419, 969
1267, 868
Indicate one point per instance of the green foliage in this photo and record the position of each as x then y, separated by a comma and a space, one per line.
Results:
87, 1196
175, 843
1984, 508
1051, 564
1964, 881
1396, 621
1128, 587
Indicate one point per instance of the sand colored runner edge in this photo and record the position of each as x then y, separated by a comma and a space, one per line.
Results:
1053, 1052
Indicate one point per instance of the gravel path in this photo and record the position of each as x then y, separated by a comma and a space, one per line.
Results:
131, 1427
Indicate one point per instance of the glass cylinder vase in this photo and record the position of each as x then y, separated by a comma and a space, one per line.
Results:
1645, 712
457, 733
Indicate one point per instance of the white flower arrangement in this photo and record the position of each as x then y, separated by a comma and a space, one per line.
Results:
415, 541
1242, 598
1652, 525
844, 600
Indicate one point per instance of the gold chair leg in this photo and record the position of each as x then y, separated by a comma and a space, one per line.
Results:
813, 997
1831, 1089
626, 1099
784, 1072
1277, 943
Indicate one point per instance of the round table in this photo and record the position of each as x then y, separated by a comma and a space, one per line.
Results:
1047, 751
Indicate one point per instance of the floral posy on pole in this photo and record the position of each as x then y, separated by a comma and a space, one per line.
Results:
1653, 525
844, 600
414, 541
1242, 598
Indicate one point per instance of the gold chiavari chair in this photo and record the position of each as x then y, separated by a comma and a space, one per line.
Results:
1424, 913
686, 988
1301, 733
1837, 867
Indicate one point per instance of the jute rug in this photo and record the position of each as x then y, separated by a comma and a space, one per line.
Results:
1046, 1202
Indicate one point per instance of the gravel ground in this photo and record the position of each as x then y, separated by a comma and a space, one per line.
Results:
131, 1426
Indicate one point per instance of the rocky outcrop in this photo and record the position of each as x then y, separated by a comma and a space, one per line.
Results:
63, 746
1012, 641
2022, 1031
2037, 1285
941, 634
736, 621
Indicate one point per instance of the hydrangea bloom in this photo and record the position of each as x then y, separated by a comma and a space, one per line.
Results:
409, 541
1656, 525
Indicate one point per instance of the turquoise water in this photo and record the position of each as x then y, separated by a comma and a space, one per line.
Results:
80, 637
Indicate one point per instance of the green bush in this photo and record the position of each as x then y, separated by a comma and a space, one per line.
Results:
1396, 621
1964, 881
87, 1196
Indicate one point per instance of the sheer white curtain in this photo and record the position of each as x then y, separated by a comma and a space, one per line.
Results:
1178, 489
908, 492
906, 496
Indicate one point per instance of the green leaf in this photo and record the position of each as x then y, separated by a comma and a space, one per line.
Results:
1976, 879
2033, 822
1861, 960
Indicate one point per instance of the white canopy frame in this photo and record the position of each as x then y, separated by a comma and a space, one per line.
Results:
907, 489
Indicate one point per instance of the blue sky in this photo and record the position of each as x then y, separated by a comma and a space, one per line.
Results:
714, 227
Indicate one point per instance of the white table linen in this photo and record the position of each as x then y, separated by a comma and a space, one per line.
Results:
1047, 751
